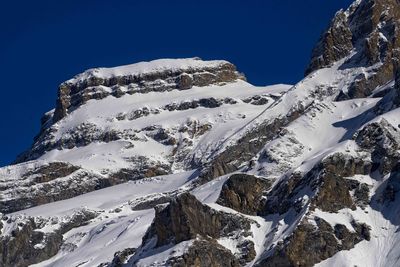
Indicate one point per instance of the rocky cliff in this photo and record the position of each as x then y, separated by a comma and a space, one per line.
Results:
158, 76
367, 34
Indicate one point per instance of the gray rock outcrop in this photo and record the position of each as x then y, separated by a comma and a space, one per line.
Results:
368, 29
184, 218
73, 94
243, 193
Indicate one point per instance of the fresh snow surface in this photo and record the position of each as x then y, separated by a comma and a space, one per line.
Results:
102, 111
112, 197
225, 121
159, 256
111, 231
383, 248
99, 240
147, 67
333, 123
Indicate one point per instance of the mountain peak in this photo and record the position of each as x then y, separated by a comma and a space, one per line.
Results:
366, 36
142, 77
366, 28
147, 67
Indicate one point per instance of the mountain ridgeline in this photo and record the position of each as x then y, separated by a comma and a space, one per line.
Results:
182, 162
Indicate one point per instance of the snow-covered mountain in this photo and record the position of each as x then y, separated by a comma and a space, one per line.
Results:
181, 162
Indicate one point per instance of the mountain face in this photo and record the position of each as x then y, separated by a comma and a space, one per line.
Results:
181, 162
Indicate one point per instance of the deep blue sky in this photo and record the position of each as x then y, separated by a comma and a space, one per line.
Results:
46, 42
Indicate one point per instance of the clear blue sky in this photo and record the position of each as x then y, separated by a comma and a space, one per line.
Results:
46, 42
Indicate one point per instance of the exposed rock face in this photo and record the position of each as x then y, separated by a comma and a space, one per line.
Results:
28, 244
51, 171
151, 201
249, 145
82, 135
144, 169
256, 100
369, 28
39, 186
392, 187
186, 217
396, 63
54, 181
335, 43
334, 193
382, 140
329, 189
205, 253
62, 102
93, 85
24, 247
121, 257
243, 193
309, 245
346, 165
203, 102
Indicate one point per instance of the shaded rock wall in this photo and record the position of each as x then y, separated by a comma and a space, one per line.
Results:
185, 218
309, 245
27, 244
370, 30
243, 193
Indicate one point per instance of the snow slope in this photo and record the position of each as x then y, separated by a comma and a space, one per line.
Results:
224, 121
116, 228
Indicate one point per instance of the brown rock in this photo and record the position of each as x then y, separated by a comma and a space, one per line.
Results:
371, 27
205, 253
334, 44
309, 245
248, 146
71, 96
333, 194
185, 218
185, 81
243, 193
